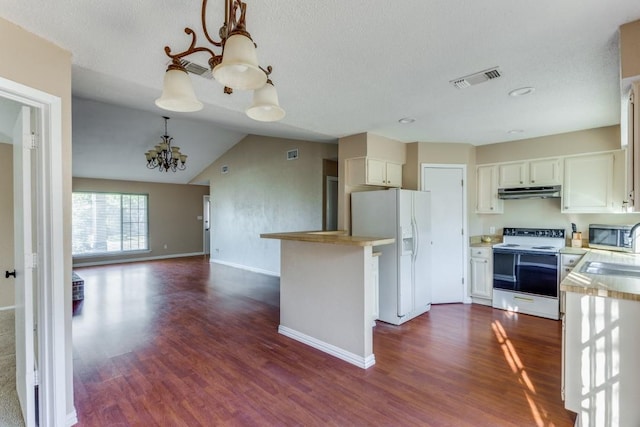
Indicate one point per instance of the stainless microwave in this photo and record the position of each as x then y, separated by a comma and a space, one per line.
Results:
611, 237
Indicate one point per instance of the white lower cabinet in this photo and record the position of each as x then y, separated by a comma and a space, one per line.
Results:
481, 274
567, 262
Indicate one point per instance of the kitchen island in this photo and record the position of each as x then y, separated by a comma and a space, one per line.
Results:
327, 292
601, 339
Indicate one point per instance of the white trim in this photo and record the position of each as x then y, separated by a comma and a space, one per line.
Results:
72, 418
466, 298
124, 260
347, 356
245, 267
51, 284
10, 307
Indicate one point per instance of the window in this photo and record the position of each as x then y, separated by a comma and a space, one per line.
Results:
109, 222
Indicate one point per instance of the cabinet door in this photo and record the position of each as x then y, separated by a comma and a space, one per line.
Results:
588, 183
376, 172
487, 190
394, 175
513, 175
544, 172
480, 278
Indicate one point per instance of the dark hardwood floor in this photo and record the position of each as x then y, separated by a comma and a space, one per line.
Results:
187, 343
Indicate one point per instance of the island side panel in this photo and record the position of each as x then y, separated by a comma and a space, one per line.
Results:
325, 293
602, 367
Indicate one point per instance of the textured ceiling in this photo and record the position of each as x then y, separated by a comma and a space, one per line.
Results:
350, 66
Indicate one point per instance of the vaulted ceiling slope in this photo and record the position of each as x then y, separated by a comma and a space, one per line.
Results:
349, 66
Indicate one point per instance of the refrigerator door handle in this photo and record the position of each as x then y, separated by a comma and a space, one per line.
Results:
414, 228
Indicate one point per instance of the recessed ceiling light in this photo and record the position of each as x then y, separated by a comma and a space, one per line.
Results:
406, 120
522, 91
512, 131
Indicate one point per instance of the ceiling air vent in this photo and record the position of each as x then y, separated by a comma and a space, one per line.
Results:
474, 79
196, 69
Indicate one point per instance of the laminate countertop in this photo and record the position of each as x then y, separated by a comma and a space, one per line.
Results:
330, 237
602, 285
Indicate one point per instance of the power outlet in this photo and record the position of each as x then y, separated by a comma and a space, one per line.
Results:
165, 246
492, 230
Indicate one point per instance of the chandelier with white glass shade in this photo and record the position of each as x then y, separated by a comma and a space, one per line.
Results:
164, 156
235, 67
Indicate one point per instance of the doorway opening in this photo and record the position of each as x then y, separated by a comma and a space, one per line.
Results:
39, 240
329, 194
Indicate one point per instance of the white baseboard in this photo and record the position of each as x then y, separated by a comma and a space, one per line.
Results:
123, 260
72, 418
9, 307
245, 267
347, 356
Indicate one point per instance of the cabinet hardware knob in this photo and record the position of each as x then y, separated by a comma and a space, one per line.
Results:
520, 182
533, 180
491, 207
9, 273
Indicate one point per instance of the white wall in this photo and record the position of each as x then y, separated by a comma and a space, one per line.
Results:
263, 193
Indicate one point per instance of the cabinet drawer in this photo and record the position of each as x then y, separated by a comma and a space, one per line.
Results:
569, 260
528, 304
481, 252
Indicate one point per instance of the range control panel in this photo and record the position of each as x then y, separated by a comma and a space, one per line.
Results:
534, 232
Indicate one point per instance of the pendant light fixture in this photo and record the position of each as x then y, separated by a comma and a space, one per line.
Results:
165, 157
236, 67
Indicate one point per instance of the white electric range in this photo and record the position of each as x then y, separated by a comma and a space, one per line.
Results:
526, 271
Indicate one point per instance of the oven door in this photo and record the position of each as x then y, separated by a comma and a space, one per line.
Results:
527, 272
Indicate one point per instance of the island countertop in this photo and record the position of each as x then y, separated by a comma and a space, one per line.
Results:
608, 286
339, 237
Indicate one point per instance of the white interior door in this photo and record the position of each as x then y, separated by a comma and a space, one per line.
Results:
448, 249
23, 248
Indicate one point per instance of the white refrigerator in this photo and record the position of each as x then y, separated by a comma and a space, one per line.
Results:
404, 267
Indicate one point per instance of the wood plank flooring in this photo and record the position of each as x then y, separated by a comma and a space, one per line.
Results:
188, 343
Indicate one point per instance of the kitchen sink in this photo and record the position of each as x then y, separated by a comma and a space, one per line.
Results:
611, 269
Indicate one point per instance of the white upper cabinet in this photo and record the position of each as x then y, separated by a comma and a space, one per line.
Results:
513, 174
529, 173
368, 171
588, 184
545, 172
487, 190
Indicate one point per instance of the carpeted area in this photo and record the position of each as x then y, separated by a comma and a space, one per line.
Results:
10, 415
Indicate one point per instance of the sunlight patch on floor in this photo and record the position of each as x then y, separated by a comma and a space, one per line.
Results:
517, 367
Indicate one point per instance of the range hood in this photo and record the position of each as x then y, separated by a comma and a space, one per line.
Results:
542, 192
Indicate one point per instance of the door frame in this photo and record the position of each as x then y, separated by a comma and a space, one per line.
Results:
206, 224
50, 286
465, 220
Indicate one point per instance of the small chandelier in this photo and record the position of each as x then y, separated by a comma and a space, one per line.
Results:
236, 67
164, 157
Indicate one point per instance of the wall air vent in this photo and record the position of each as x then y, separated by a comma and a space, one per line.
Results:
197, 69
292, 154
476, 78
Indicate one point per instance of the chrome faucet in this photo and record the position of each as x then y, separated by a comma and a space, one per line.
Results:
634, 240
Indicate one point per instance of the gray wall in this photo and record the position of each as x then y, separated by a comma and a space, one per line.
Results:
264, 192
